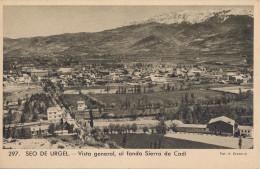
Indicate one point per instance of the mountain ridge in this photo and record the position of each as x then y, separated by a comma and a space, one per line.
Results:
194, 16
210, 39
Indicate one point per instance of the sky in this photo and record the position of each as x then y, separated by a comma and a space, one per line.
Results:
30, 21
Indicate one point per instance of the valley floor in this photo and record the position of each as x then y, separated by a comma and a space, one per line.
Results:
231, 142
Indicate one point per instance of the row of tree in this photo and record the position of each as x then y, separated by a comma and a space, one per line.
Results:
202, 114
189, 99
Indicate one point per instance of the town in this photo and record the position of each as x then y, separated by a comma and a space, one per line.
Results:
104, 104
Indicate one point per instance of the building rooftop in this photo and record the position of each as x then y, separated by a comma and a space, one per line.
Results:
224, 119
37, 128
80, 102
170, 122
54, 109
245, 127
38, 71
193, 125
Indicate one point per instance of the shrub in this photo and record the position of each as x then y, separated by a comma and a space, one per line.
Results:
145, 129
64, 140
174, 127
54, 141
94, 143
134, 127
161, 128
60, 147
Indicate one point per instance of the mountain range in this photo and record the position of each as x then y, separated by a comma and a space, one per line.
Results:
225, 35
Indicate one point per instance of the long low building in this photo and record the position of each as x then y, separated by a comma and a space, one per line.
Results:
39, 72
193, 128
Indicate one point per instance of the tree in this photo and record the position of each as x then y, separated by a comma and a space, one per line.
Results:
240, 142
186, 99
169, 88
154, 145
106, 130
118, 128
16, 133
192, 101
134, 113
23, 134
9, 118
189, 118
183, 112
51, 128
128, 128
72, 114
8, 133
19, 102
152, 129
197, 75
27, 107
159, 144
197, 113
91, 118
61, 87
35, 117
161, 128
69, 127
174, 127
23, 118
4, 131
100, 110
145, 129
111, 127
123, 128
134, 127
124, 140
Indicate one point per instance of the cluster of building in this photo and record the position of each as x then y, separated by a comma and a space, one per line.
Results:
221, 126
133, 73
55, 115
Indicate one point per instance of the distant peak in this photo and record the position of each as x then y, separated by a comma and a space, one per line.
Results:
195, 16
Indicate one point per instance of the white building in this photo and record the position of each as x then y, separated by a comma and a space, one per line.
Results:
81, 105
36, 130
55, 114
246, 130
65, 70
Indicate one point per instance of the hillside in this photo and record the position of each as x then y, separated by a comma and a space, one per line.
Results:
209, 39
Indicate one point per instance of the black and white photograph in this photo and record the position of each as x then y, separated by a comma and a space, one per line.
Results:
128, 77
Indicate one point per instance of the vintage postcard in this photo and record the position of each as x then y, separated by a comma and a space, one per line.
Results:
129, 84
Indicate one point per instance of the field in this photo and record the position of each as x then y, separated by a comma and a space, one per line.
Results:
231, 142
13, 92
146, 104
234, 89
145, 141
72, 99
161, 97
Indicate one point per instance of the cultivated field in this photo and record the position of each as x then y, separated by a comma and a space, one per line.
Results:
162, 97
145, 141
13, 92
